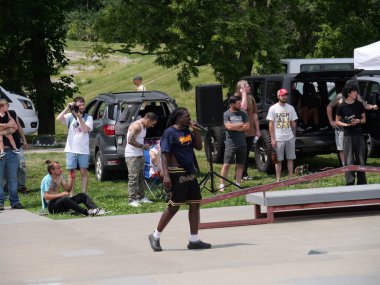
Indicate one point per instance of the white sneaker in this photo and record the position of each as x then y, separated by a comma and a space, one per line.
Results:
145, 200
134, 203
221, 187
96, 212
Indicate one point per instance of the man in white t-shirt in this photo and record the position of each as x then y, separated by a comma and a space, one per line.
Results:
137, 81
282, 127
77, 148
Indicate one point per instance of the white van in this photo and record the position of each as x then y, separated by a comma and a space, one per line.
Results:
24, 108
297, 65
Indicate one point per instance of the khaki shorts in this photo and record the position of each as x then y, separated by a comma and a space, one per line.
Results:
287, 147
339, 136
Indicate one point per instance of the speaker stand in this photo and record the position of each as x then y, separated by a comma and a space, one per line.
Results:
211, 173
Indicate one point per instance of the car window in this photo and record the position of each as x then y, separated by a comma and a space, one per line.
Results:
272, 88
363, 88
91, 108
257, 90
100, 112
130, 111
373, 87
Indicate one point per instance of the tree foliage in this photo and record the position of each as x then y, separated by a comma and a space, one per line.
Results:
326, 28
31, 51
238, 37
228, 35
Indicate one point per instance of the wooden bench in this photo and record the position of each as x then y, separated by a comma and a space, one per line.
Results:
299, 199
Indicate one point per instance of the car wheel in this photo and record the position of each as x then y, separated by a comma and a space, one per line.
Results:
214, 144
263, 153
100, 172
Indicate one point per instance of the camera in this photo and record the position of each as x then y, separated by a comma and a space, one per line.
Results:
350, 119
74, 108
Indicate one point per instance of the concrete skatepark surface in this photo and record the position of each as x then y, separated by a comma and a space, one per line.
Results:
338, 249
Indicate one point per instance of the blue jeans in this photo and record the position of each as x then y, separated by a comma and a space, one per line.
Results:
9, 165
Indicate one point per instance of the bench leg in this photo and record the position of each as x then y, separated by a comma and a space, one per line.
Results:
270, 214
257, 211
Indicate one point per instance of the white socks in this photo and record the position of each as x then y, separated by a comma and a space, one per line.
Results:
156, 234
194, 238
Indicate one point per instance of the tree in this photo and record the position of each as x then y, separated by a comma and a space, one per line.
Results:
31, 51
326, 28
232, 36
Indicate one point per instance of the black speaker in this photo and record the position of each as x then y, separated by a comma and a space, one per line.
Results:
209, 104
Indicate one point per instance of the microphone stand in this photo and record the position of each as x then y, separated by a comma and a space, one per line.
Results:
211, 173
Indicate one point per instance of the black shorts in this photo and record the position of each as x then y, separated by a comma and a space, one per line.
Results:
185, 188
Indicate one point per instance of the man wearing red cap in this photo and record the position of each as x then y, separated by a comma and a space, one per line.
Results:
282, 127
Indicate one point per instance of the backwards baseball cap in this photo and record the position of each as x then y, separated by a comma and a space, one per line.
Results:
282, 92
137, 77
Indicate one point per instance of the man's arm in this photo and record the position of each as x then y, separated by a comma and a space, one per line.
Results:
242, 127
165, 159
293, 125
134, 130
198, 139
272, 133
53, 193
330, 116
82, 123
21, 132
257, 125
61, 116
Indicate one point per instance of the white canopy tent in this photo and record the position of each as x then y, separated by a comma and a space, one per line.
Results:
367, 57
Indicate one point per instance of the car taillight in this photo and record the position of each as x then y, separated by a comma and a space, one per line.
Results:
109, 130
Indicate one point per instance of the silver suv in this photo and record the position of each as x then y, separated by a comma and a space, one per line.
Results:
113, 113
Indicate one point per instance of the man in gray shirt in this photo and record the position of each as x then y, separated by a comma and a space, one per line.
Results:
236, 124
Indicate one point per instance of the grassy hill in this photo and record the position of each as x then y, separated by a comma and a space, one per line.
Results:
116, 73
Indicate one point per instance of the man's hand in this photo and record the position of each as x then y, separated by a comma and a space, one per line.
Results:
145, 147
273, 143
333, 124
167, 183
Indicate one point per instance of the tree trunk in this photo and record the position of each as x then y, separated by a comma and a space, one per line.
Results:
44, 87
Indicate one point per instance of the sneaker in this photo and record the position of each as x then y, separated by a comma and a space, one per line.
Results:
198, 245
16, 151
2, 154
134, 203
145, 200
308, 129
300, 129
155, 243
221, 187
96, 212
245, 178
1, 207
17, 206
323, 128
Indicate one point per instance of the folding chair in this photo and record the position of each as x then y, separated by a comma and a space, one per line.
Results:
152, 181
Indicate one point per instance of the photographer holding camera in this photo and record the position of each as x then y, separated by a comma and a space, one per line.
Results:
77, 148
350, 115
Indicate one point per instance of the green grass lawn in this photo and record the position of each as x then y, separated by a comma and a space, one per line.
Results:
112, 195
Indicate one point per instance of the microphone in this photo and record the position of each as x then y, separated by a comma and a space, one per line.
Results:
200, 126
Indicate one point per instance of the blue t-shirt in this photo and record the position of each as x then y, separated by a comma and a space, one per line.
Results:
181, 144
45, 185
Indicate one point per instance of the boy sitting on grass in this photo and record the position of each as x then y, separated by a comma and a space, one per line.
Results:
61, 202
